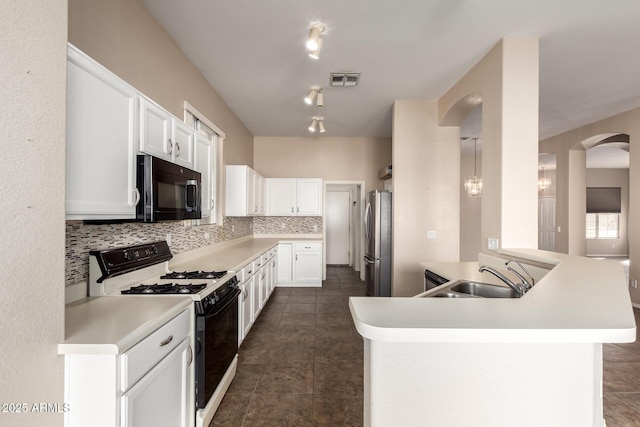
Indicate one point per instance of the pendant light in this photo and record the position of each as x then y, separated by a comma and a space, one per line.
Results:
543, 183
473, 185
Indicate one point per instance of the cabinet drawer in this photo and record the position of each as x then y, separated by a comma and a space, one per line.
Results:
308, 247
139, 359
258, 263
265, 258
247, 271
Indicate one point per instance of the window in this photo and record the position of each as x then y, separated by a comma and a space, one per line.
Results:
603, 225
207, 131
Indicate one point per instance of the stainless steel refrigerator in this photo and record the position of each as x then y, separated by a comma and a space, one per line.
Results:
378, 235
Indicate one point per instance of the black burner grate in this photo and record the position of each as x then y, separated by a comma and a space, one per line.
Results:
189, 275
165, 288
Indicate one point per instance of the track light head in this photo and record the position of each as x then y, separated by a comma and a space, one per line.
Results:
315, 54
314, 36
317, 123
320, 100
321, 126
311, 95
313, 125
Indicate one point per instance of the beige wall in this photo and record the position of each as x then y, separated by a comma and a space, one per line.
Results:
611, 178
124, 37
628, 123
507, 81
32, 119
426, 193
333, 159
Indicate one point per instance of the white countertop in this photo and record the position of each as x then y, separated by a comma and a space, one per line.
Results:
580, 300
232, 255
112, 325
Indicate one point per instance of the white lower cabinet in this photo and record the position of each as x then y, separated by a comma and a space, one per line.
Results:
300, 264
165, 383
148, 385
256, 284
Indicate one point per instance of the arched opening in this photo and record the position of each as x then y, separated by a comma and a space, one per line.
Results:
470, 165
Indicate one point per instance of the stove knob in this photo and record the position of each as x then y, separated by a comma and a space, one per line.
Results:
126, 255
154, 249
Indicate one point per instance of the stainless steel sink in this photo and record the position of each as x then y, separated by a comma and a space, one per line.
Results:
470, 289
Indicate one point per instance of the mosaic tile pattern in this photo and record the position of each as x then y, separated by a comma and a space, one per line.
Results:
81, 238
292, 224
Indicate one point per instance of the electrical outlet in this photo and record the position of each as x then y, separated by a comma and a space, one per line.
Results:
283, 225
207, 236
168, 238
492, 244
315, 228
233, 228
431, 234
634, 283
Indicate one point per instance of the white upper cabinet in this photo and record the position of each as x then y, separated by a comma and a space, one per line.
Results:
182, 137
294, 196
100, 149
164, 136
203, 155
244, 191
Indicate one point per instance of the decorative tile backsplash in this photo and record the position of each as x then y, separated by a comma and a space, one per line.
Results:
287, 224
81, 238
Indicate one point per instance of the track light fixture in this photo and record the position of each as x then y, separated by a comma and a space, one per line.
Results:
313, 42
317, 123
315, 54
315, 91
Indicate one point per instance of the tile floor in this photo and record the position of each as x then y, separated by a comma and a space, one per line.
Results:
301, 364
622, 381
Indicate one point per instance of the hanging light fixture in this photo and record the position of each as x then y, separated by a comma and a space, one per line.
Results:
543, 182
473, 185
317, 123
313, 42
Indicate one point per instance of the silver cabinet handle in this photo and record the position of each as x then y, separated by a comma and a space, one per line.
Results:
136, 197
170, 144
166, 341
177, 149
298, 209
190, 356
291, 209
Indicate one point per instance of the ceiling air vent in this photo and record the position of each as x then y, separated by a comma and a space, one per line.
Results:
344, 79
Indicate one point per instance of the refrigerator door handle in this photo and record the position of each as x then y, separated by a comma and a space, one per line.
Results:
367, 221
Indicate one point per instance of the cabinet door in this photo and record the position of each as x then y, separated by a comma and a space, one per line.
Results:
285, 264
264, 291
309, 197
100, 150
155, 130
168, 382
182, 139
251, 195
245, 313
258, 193
281, 196
203, 161
308, 268
255, 284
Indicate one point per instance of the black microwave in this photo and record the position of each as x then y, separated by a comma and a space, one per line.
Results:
168, 192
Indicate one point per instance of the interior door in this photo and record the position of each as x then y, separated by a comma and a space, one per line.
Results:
338, 219
547, 223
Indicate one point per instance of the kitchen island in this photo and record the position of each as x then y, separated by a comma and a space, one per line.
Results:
536, 360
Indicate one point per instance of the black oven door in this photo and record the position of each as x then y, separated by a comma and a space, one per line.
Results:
168, 191
216, 346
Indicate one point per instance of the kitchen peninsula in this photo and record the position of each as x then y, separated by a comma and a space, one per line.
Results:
536, 360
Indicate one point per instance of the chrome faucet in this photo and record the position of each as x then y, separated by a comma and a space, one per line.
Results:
525, 283
517, 287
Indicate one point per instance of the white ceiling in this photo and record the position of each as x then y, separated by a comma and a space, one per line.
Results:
253, 53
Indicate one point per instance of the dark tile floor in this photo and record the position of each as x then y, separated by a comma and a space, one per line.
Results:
301, 363
622, 382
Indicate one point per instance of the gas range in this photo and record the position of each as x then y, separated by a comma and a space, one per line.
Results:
144, 269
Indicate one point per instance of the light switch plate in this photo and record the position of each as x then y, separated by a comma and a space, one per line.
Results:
431, 234
492, 244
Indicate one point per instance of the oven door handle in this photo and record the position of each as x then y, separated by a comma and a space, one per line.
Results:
228, 302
